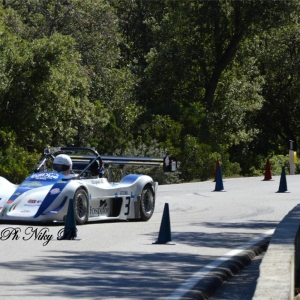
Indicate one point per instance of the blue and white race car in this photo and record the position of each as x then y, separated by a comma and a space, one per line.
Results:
45, 195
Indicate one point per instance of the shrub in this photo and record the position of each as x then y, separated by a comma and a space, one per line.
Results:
276, 164
15, 162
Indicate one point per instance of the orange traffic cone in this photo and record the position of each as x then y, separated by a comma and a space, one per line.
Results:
268, 175
216, 170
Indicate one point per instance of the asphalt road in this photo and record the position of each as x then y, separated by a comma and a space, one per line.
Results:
118, 260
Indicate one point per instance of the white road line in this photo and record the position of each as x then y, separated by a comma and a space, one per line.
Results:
192, 281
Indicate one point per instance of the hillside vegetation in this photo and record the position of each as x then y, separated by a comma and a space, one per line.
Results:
201, 80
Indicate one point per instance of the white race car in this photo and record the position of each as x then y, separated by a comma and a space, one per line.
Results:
44, 195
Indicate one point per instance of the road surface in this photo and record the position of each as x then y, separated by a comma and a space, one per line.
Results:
118, 260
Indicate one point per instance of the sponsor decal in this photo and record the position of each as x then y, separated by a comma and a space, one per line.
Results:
123, 193
97, 181
44, 176
3, 211
55, 191
13, 206
102, 210
9, 201
16, 194
31, 184
103, 203
33, 202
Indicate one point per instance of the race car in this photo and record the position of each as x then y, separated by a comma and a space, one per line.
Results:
45, 194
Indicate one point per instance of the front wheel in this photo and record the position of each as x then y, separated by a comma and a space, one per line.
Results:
147, 203
81, 204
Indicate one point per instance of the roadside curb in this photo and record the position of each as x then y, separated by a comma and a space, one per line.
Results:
211, 282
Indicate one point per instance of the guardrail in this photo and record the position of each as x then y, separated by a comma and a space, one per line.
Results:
279, 270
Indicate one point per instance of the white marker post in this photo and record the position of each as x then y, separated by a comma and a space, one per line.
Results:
292, 158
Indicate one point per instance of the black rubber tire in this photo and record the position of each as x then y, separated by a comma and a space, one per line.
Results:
147, 203
81, 206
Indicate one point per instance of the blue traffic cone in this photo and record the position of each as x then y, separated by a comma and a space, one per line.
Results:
282, 184
70, 231
219, 183
164, 236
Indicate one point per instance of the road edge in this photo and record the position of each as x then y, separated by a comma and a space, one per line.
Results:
212, 281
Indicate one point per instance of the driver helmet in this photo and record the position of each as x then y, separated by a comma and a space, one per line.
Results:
62, 163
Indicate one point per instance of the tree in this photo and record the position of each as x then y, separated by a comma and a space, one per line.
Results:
15, 162
196, 48
279, 62
94, 27
44, 92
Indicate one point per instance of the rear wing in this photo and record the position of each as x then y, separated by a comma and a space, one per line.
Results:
168, 163
130, 160
86, 159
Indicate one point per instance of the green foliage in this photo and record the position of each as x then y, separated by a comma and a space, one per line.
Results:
198, 162
163, 129
15, 162
47, 92
239, 90
207, 79
205, 52
109, 138
276, 164
80, 41
279, 161
280, 113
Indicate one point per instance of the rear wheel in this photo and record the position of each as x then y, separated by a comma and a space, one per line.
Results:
81, 204
147, 203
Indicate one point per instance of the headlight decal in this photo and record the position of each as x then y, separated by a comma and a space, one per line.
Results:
51, 196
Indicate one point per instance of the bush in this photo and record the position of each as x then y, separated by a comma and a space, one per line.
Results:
276, 164
198, 162
229, 169
15, 162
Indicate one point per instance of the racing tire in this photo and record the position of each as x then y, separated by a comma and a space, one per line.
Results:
81, 205
147, 203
